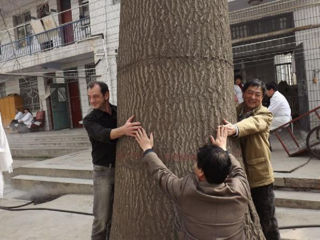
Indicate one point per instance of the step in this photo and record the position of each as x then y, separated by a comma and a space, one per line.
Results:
48, 139
50, 144
54, 171
52, 185
43, 153
297, 183
297, 199
288, 217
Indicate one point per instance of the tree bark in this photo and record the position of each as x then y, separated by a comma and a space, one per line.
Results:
175, 74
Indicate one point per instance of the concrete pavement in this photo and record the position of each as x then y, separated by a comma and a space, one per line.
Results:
47, 225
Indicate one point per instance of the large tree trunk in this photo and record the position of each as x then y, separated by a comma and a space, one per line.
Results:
175, 74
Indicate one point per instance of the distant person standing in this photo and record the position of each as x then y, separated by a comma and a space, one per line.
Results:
279, 106
101, 125
237, 87
238, 81
238, 93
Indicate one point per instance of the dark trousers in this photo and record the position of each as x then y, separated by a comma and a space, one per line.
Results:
263, 198
13, 124
103, 189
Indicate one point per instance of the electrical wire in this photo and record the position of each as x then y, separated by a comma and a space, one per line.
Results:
44, 209
19, 208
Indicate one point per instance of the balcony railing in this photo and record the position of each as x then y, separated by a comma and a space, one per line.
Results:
63, 35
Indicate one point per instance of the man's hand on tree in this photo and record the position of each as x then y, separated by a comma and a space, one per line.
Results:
231, 129
130, 128
143, 140
221, 138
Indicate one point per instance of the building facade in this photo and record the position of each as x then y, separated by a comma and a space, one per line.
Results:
51, 49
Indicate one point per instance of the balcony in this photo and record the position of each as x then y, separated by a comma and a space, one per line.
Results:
57, 37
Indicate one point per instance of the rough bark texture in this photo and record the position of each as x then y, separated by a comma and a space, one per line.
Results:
175, 74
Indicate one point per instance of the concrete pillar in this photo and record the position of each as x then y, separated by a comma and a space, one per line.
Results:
85, 108
42, 86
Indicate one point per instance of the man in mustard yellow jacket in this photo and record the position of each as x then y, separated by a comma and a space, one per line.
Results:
252, 129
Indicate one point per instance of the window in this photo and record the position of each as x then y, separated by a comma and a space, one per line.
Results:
84, 9
23, 28
29, 93
43, 10
2, 90
90, 72
239, 31
283, 23
283, 64
85, 17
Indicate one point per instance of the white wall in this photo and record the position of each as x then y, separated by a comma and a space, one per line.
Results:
107, 22
12, 86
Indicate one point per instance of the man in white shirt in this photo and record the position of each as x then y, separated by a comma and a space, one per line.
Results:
238, 93
27, 118
279, 106
14, 123
238, 89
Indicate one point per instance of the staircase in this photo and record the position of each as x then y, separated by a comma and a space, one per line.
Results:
297, 200
297, 193
48, 144
70, 173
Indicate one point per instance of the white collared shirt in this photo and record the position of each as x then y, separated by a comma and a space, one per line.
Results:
27, 119
238, 93
279, 105
18, 116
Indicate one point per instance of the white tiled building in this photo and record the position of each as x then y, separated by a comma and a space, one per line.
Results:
51, 49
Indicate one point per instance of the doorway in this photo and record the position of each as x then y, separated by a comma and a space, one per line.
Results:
59, 106
74, 97
66, 17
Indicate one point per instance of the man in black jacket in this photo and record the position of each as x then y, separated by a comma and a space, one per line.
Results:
101, 125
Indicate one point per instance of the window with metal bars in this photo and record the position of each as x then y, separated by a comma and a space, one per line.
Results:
90, 72
30, 93
23, 29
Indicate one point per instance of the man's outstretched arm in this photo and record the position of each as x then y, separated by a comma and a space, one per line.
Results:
102, 134
168, 181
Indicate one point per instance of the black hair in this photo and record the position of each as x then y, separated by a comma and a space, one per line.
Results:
237, 77
214, 162
103, 86
255, 83
272, 85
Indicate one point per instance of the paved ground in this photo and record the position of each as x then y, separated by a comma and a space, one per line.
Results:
47, 225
